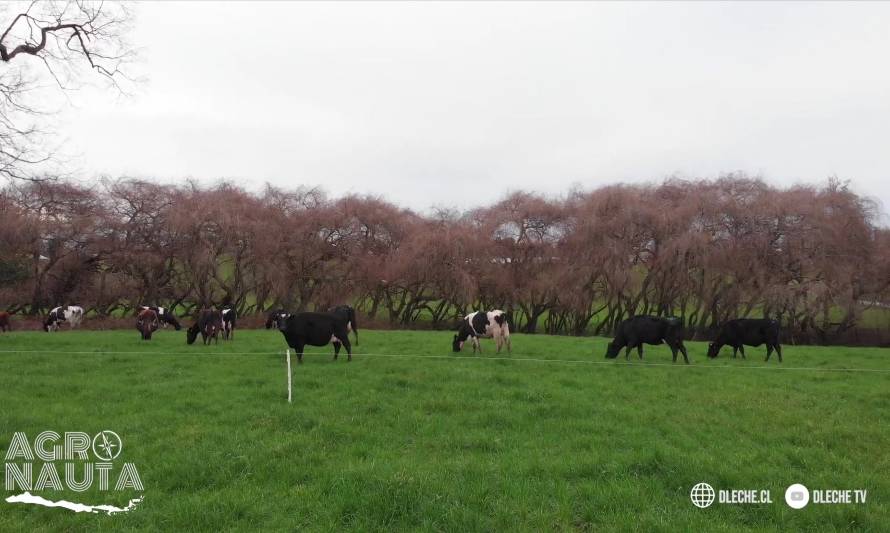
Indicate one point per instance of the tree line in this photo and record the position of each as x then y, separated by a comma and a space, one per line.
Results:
813, 257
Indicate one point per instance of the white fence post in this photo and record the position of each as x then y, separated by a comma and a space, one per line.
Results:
288, 377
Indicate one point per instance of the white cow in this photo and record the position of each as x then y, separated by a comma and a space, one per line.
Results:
72, 314
490, 325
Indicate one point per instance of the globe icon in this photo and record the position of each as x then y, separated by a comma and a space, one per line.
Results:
702, 495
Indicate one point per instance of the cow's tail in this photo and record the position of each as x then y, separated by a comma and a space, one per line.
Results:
354, 324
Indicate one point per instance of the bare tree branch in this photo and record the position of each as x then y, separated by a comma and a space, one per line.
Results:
68, 40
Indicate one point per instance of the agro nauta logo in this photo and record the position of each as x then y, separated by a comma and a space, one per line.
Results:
72, 462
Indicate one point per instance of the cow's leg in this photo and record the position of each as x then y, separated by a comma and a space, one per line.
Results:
348, 347
742, 350
735, 350
779, 352
477, 345
769, 351
683, 351
640, 351
627, 353
499, 342
299, 349
336, 349
509, 345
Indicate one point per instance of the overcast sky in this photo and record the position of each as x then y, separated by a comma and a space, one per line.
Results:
451, 103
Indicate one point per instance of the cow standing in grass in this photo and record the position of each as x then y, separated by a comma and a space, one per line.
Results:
315, 329
228, 316
490, 325
347, 313
4, 321
208, 324
747, 331
639, 330
165, 316
147, 323
72, 314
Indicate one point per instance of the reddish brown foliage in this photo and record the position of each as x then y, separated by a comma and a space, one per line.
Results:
704, 250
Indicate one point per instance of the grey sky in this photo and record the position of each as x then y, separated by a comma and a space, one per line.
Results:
448, 103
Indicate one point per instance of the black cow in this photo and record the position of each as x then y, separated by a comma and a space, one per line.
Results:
228, 316
635, 331
751, 331
348, 313
315, 329
208, 324
274, 317
147, 323
165, 316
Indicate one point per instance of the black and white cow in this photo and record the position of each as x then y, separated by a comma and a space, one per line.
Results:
208, 323
751, 331
635, 331
315, 329
274, 317
165, 316
229, 316
72, 314
492, 324
348, 313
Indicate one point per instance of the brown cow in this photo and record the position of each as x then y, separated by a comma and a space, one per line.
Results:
147, 323
208, 323
4, 321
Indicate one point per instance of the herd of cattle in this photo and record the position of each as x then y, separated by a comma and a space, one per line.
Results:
334, 326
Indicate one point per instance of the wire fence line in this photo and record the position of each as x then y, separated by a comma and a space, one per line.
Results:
638, 364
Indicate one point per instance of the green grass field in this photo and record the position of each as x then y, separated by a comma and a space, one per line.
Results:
552, 437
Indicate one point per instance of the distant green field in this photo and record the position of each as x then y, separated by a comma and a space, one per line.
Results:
409, 436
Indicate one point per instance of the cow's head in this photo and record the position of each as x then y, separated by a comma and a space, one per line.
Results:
170, 319
713, 350
49, 324
276, 320
612, 350
456, 344
192, 333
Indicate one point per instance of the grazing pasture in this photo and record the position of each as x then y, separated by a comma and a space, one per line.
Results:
552, 437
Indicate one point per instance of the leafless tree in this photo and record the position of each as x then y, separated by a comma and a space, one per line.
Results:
48, 49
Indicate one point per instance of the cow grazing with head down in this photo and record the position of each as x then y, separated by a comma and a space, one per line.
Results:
274, 317
490, 325
4, 321
747, 331
347, 313
165, 316
147, 323
228, 316
635, 331
208, 323
72, 314
315, 329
